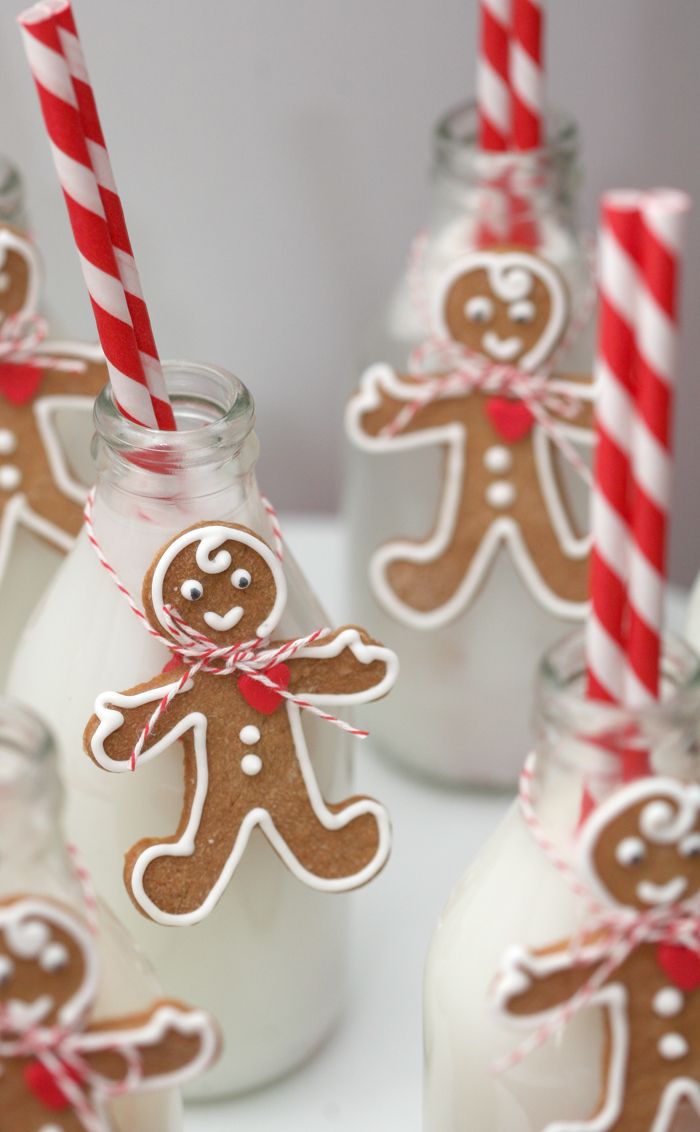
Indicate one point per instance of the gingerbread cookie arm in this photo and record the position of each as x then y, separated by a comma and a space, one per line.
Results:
382, 395
120, 718
347, 666
167, 1046
20, 274
533, 983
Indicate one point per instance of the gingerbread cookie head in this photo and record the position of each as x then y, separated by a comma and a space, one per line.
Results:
507, 304
641, 848
47, 966
221, 580
20, 274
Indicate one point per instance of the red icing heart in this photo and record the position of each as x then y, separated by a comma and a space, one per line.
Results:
512, 420
680, 964
42, 1083
262, 699
19, 383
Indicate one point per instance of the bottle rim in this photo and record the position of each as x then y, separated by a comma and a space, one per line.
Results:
214, 409
457, 132
562, 704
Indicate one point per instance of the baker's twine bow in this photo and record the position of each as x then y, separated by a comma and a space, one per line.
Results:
468, 371
608, 934
200, 654
56, 1048
21, 335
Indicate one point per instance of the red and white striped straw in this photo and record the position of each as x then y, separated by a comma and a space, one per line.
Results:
527, 74
95, 212
663, 219
615, 377
638, 332
493, 78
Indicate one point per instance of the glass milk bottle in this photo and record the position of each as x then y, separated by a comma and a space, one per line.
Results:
45, 429
514, 896
12, 209
460, 648
269, 961
34, 862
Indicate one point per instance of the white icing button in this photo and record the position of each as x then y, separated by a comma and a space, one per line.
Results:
251, 764
500, 494
8, 442
498, 459
673, 1046
10, 477
249, 735
667, 1002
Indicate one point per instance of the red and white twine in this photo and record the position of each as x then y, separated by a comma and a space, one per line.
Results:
613, 934
198, 653
468, 371
21, 335
57, 1047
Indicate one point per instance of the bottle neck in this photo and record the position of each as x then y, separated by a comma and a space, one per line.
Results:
152, 484
12, 209
30, 797
470, 184
587, 749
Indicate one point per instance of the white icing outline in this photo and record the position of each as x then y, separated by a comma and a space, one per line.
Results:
503, 531
32, 908
17, 510
12, 242
518, 963
111, 719
210, 536
75, 1014
497, 265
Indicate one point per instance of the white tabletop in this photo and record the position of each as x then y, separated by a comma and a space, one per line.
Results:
368, 1077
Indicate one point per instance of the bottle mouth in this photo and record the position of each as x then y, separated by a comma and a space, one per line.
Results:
457, 143
11, 193
563, 705
214, 411
27, 749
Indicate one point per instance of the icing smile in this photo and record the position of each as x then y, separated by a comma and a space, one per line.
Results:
668, 893
23, 1015
503, 349
224, 621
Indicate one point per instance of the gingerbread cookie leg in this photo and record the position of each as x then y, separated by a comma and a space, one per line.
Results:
331, 847
432, 580
165, 876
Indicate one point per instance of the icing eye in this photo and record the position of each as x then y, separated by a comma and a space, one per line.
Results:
54, 958
522, 312
690, 845
631, 851
479, 309
241, 579
192, 589
7, 969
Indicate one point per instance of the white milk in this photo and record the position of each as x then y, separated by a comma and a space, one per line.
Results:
34, 862
512, 894
32, 549
269, 962
445, 718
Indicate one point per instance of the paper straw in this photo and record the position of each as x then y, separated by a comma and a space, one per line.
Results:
123, 326
663, 219
493, 81
527, 74
610, 500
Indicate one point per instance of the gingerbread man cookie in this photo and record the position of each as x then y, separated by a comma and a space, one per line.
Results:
246, 761
58, 1068
639, 854
502, 485
39, 486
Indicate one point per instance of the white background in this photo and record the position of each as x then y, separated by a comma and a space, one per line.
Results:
273, 155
